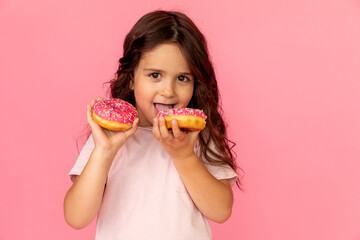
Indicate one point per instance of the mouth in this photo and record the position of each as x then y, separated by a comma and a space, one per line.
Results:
162, 107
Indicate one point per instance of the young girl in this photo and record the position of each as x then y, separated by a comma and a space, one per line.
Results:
148, 182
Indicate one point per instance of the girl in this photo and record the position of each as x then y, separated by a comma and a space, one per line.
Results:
148, 182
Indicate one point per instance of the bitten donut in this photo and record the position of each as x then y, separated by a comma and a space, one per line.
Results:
188, 119
114, 114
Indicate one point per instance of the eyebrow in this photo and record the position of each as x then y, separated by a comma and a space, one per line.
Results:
158, 70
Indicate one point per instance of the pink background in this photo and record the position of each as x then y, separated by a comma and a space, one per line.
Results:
289, 74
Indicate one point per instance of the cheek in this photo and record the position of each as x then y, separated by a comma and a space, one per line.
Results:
187, 94
141, 89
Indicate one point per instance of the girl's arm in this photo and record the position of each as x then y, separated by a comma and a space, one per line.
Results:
214, 198
83, 200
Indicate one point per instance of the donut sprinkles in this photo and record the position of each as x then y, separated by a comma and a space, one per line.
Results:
183, 111
114, 114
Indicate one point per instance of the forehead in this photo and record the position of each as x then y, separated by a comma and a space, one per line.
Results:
164, 56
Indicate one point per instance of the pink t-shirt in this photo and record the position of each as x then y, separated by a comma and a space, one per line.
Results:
144, 196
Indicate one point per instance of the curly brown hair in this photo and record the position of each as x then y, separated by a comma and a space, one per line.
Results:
175, 27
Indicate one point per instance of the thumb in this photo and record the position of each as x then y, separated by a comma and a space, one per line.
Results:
89, 117
132, 130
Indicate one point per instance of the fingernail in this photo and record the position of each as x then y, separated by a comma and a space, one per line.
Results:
161, 119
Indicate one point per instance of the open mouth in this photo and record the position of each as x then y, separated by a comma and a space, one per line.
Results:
162, 107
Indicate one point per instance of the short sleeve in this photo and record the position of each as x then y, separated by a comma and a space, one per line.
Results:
82, 158
218, 171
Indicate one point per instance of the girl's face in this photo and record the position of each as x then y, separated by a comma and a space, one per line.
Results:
162, 80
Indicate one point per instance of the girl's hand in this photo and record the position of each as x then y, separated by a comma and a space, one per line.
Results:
178, 144
106, 139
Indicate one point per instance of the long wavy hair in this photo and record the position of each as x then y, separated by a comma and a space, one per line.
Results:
175, 27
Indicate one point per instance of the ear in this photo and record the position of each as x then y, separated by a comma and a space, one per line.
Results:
132, 84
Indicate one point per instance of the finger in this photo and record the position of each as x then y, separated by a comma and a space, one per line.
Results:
164, 132
92, 102
132, 130
156, 130
89, 115
178, 134
193, 135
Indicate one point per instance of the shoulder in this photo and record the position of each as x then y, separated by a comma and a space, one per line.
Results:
218, 168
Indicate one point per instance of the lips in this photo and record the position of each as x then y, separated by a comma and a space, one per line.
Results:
161, 107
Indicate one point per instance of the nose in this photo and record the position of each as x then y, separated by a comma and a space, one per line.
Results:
167, 89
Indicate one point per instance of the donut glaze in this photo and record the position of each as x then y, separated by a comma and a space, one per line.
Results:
188, 119
114, 114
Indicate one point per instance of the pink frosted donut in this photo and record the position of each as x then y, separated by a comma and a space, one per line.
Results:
188, 119
114, 114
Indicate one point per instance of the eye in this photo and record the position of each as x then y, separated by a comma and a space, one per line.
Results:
183, 79
155, 75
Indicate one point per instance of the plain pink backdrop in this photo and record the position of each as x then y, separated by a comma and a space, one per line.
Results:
289, 75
